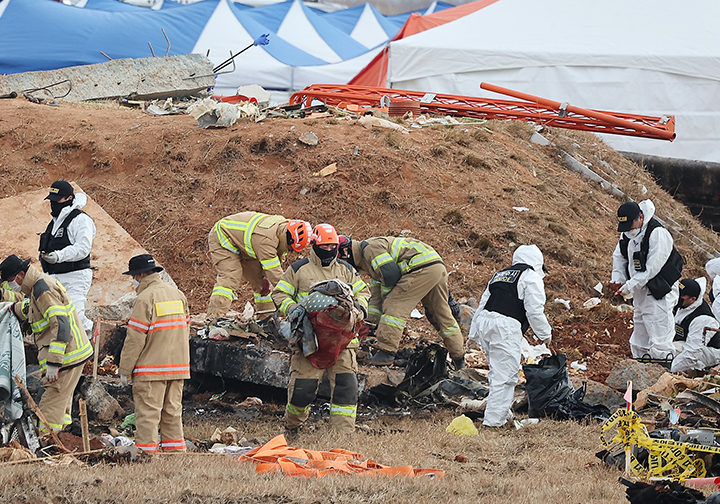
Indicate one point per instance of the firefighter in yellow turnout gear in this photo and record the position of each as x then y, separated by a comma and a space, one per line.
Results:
156, 354
63, 346
404, 272
250, 245
293, 287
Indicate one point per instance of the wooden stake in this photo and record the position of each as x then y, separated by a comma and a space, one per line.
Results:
84, 426
34, 407
96, 337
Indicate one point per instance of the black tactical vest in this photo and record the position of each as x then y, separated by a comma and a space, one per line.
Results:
504, 294
58, 241
681, 329
671, 271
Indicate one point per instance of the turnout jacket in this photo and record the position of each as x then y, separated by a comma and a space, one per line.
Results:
256, 236
386, 259
56, 325
157, 345
301, 275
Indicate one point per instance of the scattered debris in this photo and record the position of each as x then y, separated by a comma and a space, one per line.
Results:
309, 138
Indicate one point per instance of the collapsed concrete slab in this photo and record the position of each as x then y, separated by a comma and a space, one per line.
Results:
141, 78
25, 217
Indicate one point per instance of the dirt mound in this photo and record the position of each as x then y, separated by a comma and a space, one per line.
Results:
473, 192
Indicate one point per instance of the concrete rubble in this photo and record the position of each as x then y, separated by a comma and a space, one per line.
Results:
141, 78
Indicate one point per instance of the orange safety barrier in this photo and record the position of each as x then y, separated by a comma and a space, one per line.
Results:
276, 455
533, 108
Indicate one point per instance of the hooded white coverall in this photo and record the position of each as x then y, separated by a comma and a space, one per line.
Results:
713, 270
501, 336
81, 233
694, 352
653, 322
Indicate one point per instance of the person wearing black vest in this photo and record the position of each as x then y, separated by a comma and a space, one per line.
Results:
699, 349
513, 301
648, 266
66, 243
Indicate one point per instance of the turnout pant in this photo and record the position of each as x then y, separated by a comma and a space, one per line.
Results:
56, 401
429, 286
303, 387
158, 405
231, 269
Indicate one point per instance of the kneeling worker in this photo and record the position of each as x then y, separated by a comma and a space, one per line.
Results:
293, 287
156, 356
699, 349
63, 345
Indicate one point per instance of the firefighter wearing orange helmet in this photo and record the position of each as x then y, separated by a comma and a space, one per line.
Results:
249, 245
293, 292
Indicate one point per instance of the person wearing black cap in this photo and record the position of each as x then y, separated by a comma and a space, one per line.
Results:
66, 243
63, 345
156, 355
648, 267
699, 349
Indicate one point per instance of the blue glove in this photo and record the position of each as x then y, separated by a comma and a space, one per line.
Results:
296, 312
263, 39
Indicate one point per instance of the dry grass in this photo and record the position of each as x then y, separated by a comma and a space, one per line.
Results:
543, 463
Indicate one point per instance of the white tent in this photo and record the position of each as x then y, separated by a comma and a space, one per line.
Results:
649, 57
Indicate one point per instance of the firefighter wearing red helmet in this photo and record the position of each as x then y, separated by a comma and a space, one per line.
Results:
403, 272
249, 245
289, 293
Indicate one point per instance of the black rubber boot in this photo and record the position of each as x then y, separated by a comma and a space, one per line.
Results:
459, 362
382, 358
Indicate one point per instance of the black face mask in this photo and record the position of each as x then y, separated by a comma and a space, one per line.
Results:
56, 207
325, 256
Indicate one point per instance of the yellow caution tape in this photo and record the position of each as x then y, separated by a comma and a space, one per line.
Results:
668, 458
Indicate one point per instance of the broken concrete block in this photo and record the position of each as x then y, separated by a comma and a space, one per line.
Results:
643, 375
141, 78
599, 393
101, 406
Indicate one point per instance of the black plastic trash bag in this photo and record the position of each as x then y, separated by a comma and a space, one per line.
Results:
661, 492
551, 394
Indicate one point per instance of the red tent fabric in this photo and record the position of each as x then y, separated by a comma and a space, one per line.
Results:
375, 73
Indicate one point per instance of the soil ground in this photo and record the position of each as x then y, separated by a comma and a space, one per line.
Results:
473, 192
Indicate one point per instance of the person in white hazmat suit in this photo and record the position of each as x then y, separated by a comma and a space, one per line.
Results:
713, 270
513, 300
647, 265
698, 349
66, 243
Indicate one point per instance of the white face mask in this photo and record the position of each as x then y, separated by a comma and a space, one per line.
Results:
135, 283
632, 233
15, 286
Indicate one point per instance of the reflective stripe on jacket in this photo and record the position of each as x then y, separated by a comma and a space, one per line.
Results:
58, 330
254, 235
157, 345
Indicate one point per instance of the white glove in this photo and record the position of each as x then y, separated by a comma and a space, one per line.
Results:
124, 379
52, 257
51, 373
625, 291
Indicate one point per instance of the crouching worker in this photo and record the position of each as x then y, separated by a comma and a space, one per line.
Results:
156, 357
698, 348
63, 346
327, 297
514, 299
